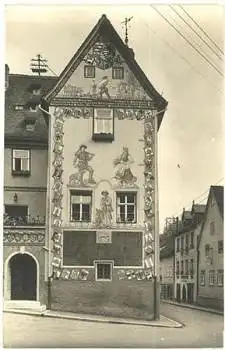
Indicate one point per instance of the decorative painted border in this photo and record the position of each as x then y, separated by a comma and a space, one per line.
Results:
23, 237
82, 274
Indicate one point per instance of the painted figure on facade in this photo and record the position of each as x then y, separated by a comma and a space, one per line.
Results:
124, 174
81, 162
102, 86
104, 214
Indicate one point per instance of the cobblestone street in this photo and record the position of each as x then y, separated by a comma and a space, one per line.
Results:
201, 330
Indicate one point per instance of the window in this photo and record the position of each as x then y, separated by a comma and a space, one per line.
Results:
178, 244
81, 206
192, 240
21, 162
118, 73
182, 244
212, 228
103, 271
89, 71
103, 125
220, 278
126, 207
187, 243
19, 107
211, 277
182, 268
15, 214
177, 269
202, 277
191, 268
186, 267
220, 246
207, 248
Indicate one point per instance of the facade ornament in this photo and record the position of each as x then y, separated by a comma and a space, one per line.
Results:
104, 214
139, 275
124, 174
81, 162
24, 237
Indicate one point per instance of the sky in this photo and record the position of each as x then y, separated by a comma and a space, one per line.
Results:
190, 139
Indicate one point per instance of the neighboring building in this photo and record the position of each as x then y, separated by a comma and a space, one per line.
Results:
210, 262
167, 268
186, 254
102, 242
25, 186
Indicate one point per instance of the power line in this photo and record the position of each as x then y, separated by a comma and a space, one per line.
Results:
184, 59
195, 199
52, 70
188, 41
202, 30
184, 20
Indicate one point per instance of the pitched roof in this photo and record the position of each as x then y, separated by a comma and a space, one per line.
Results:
198, 208
17, 94
104, 28
166, 246
218, 192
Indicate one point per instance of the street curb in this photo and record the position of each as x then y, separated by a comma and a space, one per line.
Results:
88, 318
193, 307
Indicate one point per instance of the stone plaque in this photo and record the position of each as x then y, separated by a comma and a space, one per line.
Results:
103, 237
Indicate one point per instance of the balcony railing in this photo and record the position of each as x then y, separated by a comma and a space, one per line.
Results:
24, 220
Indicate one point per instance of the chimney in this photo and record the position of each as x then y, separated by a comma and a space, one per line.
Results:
6, 76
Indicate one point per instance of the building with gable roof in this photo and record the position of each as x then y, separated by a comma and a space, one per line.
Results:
25, 187
210, 246
186, 254
101, 249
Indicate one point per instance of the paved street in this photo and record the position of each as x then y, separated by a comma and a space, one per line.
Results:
201, 330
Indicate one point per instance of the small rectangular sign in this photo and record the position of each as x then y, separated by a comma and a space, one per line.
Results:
103, 237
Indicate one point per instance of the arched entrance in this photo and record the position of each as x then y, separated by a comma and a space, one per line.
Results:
23, 271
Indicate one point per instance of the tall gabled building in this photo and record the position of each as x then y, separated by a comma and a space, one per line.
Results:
25, 187
102, 240
210, 248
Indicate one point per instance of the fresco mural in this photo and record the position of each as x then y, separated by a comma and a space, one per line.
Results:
103, 75
123, 174
81, 161
104, 214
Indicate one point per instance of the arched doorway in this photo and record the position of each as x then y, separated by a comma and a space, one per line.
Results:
184, 294
23, 270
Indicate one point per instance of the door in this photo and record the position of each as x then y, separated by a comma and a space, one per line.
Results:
23, 277
184, 297
178, 292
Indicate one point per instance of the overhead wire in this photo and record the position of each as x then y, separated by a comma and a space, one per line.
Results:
198, 197
202, 30
185, 59
200, 37
187, 40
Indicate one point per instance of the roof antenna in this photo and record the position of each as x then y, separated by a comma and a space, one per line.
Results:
127, 20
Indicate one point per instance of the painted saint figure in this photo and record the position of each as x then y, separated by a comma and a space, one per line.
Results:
102, 86
124, 173
104, 214
81, 160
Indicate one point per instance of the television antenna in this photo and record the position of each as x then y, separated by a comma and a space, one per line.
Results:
39, 65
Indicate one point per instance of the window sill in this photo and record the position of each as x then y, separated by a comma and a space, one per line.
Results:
103, 137
20, 173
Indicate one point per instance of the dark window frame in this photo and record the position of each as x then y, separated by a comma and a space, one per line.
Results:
212, 274
80, 193
103, 264
86, 67
114, 73
221, 272
103, 136
125, 205
20, 172
202, 278
220, 246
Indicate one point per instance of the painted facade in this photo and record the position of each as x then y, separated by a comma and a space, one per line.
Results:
211, 264
91, 136
103, 181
